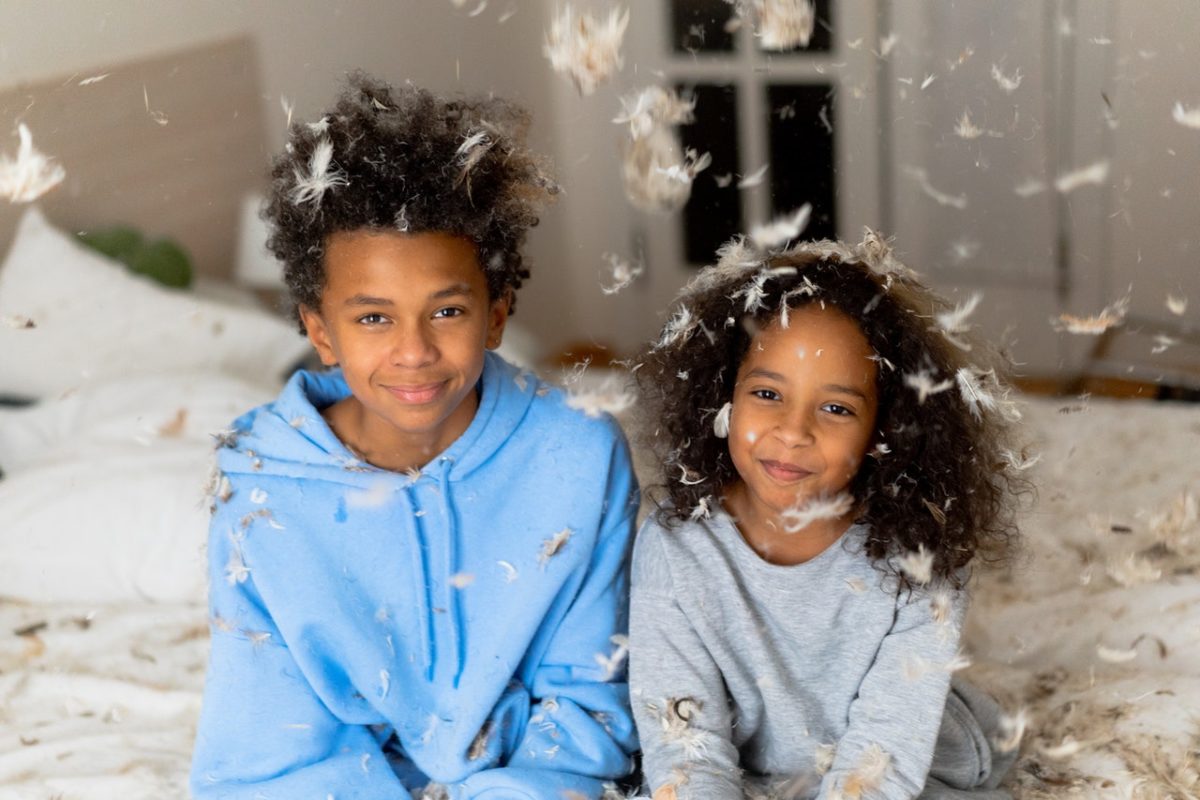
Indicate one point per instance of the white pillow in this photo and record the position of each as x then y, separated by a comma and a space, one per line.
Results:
94, 321
103, 496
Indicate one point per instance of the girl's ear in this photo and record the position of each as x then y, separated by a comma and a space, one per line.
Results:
497, 318
318, 334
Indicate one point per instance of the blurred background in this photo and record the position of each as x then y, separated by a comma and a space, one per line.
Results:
1042, 153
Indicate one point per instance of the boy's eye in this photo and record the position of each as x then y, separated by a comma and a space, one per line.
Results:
448, 312
372, 319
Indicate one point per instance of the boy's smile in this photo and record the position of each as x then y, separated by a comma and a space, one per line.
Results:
803, 415
407, 317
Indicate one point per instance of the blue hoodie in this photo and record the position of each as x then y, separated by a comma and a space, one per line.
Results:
374, 632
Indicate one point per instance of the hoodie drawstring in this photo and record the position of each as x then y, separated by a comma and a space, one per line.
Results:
456, 613
420, 568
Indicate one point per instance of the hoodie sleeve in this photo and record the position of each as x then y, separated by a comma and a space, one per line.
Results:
580, 733
886, 751
263, 732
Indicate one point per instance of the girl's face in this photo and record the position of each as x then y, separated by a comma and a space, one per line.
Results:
803, 413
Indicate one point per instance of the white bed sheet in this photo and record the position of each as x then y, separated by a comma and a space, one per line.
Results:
101, 701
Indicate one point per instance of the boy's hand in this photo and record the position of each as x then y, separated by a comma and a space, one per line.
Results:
665, 793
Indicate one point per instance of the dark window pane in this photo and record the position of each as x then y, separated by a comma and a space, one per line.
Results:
801, 122
713, 214
822, 38
699, 26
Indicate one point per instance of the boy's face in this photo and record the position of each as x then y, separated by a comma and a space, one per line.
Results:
407, 317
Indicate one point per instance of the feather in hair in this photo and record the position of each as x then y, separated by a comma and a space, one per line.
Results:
311, 188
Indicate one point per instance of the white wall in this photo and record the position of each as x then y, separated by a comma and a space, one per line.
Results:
305, 47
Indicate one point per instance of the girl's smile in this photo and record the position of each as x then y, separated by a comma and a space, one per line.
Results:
803, 416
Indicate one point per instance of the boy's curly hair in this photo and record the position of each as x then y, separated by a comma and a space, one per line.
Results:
405, 159
946, 480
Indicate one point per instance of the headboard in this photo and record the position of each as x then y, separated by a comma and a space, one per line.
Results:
167, 145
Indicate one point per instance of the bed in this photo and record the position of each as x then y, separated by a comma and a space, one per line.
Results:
1092, 639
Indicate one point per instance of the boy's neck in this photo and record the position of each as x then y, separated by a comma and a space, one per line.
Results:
380, 444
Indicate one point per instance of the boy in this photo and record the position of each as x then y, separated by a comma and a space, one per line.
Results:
418, 560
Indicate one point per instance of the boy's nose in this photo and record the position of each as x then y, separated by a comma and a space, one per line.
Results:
413, 347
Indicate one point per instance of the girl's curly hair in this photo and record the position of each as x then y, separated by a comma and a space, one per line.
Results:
941, 476
405, 159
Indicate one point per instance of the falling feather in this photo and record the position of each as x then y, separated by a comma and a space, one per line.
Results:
1114, 656
1177, 305
320, 178
922, 383
1187, 117
654, 107
754, 178
236, 570
510, 572
94, 79
31, 174
1092, 175
612, 663
918, 566
1110, 317
586, 49
657, 172
472, 151
1029, 188
797, 518
1067, 748
1005, 82
781, 230
461, 580
922, 177
955, 321
1012, 730
553, 546
973, 394
1132, 570
621, 272
721, 421
868, 774
965, 129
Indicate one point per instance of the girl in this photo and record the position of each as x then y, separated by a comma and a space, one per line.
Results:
834, 449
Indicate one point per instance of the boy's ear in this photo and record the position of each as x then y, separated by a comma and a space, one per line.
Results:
318, 334
497, 319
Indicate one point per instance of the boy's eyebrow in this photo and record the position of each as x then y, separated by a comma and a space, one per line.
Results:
366, 300
450, 291
759, 372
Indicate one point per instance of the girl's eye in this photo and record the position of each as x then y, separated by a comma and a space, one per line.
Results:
765, 394
839, 410
372, 319
449, 312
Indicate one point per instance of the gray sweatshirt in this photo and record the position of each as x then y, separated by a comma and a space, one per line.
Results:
801, 676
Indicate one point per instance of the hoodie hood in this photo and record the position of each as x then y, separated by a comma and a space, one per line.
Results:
290, 438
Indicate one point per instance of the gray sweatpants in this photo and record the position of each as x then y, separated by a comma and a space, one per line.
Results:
966, 762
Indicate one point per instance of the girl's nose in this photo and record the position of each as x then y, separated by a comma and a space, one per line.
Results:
413, 347
796, 430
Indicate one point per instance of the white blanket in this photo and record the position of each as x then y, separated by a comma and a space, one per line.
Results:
1095, 634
